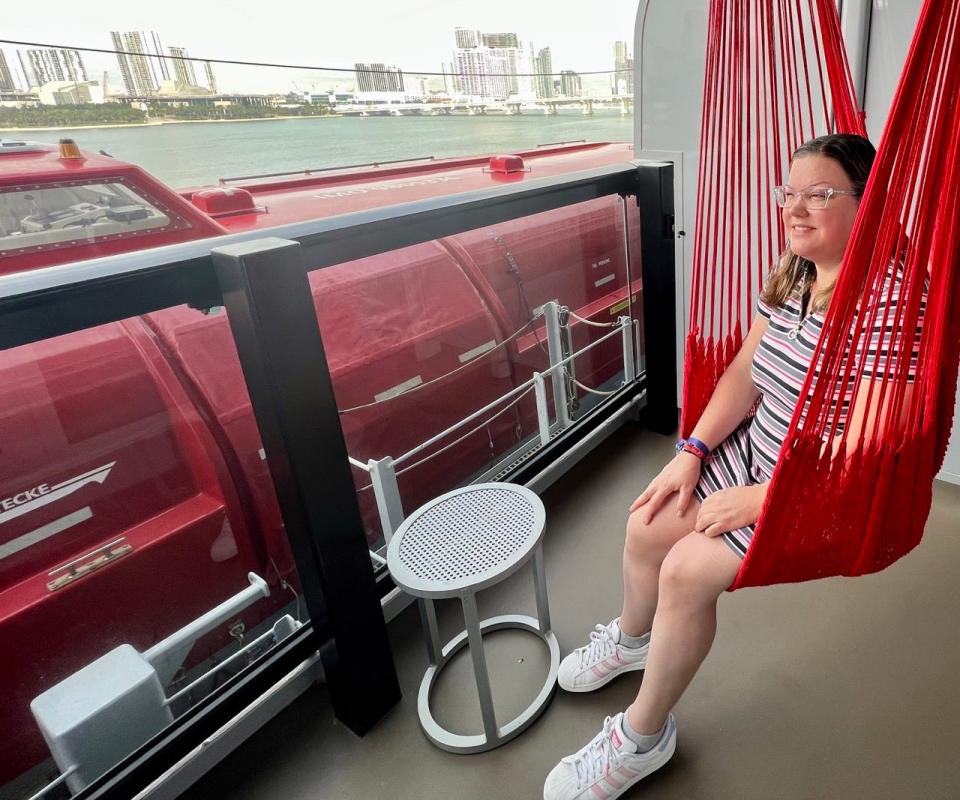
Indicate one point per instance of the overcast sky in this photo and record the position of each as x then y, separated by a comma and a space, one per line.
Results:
412, 34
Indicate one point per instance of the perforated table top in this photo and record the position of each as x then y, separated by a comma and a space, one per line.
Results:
467, 539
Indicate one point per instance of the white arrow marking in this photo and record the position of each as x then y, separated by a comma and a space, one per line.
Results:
58, 492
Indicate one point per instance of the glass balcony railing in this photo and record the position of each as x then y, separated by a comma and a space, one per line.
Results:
207, 446
454, 358
136, 574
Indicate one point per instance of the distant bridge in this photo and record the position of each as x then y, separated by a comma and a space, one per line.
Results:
547, 106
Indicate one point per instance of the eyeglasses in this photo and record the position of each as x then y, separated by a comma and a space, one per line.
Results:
814, 199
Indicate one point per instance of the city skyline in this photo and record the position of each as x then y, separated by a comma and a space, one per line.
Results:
417, 36
490, 65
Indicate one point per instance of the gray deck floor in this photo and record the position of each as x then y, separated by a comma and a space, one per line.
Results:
835, 689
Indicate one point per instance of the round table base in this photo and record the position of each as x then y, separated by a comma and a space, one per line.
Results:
477, 743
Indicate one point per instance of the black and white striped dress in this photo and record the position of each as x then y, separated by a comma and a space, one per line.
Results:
748, 455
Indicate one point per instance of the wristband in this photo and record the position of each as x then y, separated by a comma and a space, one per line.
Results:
693, 446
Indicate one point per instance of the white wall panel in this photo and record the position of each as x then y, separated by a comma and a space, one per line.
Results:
891, 29
892, 23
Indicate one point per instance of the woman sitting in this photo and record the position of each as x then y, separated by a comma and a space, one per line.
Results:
689, 530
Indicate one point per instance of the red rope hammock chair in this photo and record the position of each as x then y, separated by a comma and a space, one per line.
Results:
853, 505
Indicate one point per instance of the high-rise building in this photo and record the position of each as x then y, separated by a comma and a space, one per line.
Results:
183, 72
26, 72
363, 79
451, 79
44, 68
622, 79
138, 76
211, 80
160, 61
506, 58
378, 78
126, 71
56, 64
467, 38
543, 73
6, 76
570, 83
73, 65
500, 40
473, 64
502, 72
488, 63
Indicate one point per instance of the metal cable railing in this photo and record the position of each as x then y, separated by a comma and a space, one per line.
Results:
472, 362
384, 471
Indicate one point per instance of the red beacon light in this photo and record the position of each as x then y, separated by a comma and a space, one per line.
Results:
221, 202
506, 164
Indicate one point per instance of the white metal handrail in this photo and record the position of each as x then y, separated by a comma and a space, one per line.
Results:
383, 472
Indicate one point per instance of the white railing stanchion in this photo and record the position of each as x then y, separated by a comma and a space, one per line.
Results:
385, 489
640, 360
551, 315
543, 413
629, 364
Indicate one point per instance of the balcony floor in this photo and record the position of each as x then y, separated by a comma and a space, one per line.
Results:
839, 688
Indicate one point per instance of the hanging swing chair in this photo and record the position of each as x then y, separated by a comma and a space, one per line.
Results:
838, 503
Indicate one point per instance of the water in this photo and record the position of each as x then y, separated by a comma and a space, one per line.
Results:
191, 154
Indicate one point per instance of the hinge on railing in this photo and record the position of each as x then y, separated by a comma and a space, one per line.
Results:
669, 228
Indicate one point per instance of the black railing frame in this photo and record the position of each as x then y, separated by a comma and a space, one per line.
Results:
255, 281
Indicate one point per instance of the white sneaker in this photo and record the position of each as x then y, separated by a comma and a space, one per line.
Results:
596, 664
609, 765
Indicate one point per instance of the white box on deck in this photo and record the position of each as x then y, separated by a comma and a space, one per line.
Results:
101, 713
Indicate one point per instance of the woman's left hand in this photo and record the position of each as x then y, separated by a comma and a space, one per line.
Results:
730, 509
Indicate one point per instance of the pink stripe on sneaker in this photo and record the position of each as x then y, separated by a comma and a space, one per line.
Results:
613, 782
600, 792
600, 673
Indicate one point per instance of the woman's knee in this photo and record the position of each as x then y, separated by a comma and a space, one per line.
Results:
651, 541
642, 542
697, 570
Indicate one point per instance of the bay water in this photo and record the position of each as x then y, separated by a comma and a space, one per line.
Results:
198, 153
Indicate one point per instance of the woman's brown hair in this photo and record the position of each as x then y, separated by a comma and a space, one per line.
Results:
855, 155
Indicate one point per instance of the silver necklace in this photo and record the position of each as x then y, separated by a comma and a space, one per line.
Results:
794, 332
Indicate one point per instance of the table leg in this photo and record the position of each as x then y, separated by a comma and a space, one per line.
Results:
428, 618
472, 623
540, 584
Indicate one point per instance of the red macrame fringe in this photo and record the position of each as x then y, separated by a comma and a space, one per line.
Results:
758, 107
766, 91
859, 510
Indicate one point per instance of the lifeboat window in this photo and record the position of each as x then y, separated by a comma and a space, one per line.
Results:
37, 218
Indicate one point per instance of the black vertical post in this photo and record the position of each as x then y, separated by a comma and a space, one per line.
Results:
274, 323
658, 269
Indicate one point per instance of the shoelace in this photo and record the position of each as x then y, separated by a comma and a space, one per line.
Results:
591, 761
601, 644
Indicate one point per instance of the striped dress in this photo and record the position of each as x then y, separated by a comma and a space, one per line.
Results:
748, 455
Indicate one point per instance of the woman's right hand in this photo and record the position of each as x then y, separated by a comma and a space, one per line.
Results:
679, 477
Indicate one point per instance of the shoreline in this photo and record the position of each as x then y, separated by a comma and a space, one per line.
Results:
159, 122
